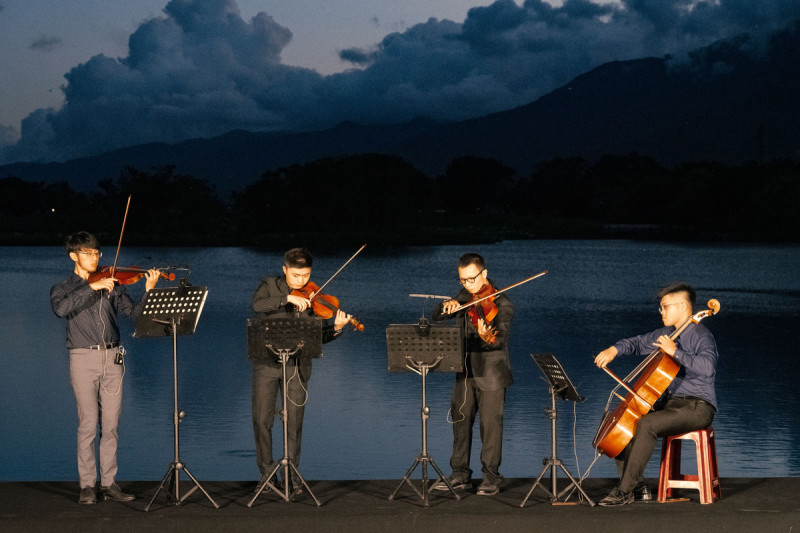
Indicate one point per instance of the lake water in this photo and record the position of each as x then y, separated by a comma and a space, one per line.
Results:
363, 422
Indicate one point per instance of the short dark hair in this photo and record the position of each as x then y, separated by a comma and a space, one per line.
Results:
679, 287
80, 240
471, 259
297, 258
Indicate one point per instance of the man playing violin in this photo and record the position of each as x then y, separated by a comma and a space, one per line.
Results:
688, 404
95, 360
481, 387
280, 296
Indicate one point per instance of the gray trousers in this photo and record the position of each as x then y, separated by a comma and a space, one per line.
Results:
678, 416
97, 383
467, 401
267, 383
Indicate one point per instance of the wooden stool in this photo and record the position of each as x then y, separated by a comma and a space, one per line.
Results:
707, 478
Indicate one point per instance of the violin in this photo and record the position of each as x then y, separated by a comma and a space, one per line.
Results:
484, 309
323, 305
124, 275
489, 311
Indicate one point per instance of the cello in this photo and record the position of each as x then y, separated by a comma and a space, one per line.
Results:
655, 373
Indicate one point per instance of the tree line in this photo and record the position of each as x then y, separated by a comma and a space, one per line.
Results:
383, 200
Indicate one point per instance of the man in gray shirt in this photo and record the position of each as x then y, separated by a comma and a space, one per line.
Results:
95, 360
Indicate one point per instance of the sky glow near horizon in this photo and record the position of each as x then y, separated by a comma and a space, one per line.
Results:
42, 40
84, 76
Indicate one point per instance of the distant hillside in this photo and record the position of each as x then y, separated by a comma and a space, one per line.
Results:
724, 103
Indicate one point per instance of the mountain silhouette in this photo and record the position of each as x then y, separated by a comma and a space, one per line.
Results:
730, 102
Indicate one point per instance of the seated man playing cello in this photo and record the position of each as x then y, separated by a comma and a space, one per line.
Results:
687, 405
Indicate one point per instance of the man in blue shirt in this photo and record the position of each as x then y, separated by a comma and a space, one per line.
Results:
688, 404
95, 367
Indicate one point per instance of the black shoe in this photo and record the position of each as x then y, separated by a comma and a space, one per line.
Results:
295, 489
616, 497
487, 488
114, 493
274, 481
642, 493
456, 483
87, 496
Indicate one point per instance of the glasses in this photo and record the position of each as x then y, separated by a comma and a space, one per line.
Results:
464, 281
92, 254
663, 308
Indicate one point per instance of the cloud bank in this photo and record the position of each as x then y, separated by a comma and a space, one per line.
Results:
201, 70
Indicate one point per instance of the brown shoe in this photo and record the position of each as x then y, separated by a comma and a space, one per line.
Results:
114, 493
87, 496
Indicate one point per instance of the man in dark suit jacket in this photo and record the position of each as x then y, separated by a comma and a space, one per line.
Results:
482, 385
275, 298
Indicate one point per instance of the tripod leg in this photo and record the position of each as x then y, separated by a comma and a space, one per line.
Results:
266, 483
424, 484
442, 477
547, 465
406, 479
302, 480
170, 470
197, 485
577, 485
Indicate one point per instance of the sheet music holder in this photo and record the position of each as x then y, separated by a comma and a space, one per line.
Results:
422, 348
559, 384
283, 333
556, 377
278, 340
173, 311
424, 343
183, 303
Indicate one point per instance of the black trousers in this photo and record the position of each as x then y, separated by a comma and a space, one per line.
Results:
267, 382
677, 416
467, 401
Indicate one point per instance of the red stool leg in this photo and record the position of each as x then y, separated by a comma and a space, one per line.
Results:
707, 479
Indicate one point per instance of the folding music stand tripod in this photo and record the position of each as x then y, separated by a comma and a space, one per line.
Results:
282, 339
559, 384
422, 348
173, 311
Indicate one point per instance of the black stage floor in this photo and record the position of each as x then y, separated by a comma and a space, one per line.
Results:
762, 505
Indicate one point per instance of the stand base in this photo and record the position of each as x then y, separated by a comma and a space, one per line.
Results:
174, 471
551, 463
423, 459
288, 467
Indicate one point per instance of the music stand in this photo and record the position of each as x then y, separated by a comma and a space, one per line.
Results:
279, 339
173, 311
423, 348
560, 384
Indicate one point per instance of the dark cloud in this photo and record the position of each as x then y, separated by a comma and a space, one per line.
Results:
201, 70
46, 43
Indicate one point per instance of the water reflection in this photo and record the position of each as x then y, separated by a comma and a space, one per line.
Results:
364, 422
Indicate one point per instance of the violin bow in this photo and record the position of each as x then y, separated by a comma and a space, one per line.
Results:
319, 291
119, 244
495, 293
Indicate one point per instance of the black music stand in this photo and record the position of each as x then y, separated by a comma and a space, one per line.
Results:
423, 348
559, 384
279, 339
173, 311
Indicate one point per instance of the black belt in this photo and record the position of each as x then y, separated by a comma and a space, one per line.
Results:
696, 398
103, 346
